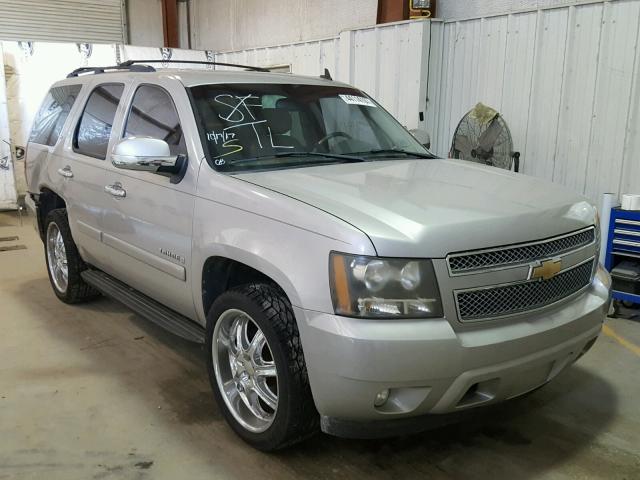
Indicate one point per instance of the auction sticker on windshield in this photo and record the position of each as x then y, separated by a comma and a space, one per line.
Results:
357, 100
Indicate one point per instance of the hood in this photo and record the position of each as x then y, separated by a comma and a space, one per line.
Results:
429, 208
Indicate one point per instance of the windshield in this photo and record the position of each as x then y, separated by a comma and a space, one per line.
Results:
269, 126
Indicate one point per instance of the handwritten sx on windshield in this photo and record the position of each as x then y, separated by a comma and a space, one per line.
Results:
238, 113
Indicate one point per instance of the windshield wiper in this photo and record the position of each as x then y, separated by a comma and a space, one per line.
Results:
339, 156
397, 150
334, 156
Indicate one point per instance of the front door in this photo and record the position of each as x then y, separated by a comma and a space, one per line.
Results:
152, 223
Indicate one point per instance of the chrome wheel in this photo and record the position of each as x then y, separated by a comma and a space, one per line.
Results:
245, 370
57, 258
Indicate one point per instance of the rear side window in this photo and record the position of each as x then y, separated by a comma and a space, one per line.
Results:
94, 128
153, 114
53, 114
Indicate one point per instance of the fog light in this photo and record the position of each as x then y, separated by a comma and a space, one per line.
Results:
381, 397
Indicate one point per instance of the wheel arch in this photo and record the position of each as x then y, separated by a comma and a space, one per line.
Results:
222, 272
48, 200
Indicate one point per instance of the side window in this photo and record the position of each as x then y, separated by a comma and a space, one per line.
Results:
153, 114
94, 128
53, 114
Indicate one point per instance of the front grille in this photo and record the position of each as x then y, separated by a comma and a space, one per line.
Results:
517, 254
521, 297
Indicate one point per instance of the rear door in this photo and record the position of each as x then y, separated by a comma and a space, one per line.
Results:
87, 170
44, 163
150, 229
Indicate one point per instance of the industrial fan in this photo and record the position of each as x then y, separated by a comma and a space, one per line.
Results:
482, 136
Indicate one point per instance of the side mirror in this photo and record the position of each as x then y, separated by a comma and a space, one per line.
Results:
146, 154
422, 136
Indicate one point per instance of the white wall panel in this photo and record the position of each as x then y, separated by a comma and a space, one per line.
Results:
546, 89
8, 191
491, 70
518, 75
611, 109
462, 9
308, 58
566, 81
576, 109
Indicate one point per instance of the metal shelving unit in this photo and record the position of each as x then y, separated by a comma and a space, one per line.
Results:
623, 241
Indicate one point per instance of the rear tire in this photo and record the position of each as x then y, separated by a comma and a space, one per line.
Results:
64, 263
268, 413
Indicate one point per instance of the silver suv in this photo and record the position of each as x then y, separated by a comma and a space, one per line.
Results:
341, 277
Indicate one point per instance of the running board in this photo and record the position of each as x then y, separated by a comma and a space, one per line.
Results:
144, 306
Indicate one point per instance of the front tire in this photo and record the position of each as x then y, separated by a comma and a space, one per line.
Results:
64, 263
256, 367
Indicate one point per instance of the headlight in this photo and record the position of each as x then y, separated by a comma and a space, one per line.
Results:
372, 287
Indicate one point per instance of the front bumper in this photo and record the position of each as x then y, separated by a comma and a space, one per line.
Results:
431, 368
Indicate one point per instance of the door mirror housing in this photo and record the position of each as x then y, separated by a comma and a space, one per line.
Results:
146, 154
422, 136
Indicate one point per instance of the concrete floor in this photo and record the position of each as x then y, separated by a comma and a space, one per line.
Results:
94, 391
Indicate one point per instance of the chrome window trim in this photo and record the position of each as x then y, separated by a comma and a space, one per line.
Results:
508, 266
523, 312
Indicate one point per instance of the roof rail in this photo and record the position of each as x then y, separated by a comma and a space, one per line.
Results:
130, 63
132, 68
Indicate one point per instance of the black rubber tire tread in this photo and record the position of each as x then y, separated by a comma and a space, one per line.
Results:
297, 417
78, 290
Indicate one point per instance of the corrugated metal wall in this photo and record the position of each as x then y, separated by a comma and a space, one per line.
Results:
463, 9
62, 20
388, 61
566, 81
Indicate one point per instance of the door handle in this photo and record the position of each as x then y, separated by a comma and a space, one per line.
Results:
66, 172
116, 190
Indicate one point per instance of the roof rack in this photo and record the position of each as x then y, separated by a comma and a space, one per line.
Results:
131, 63
132, 68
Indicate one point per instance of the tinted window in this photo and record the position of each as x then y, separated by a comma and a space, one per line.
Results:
53, 113
94, 129
153, 114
